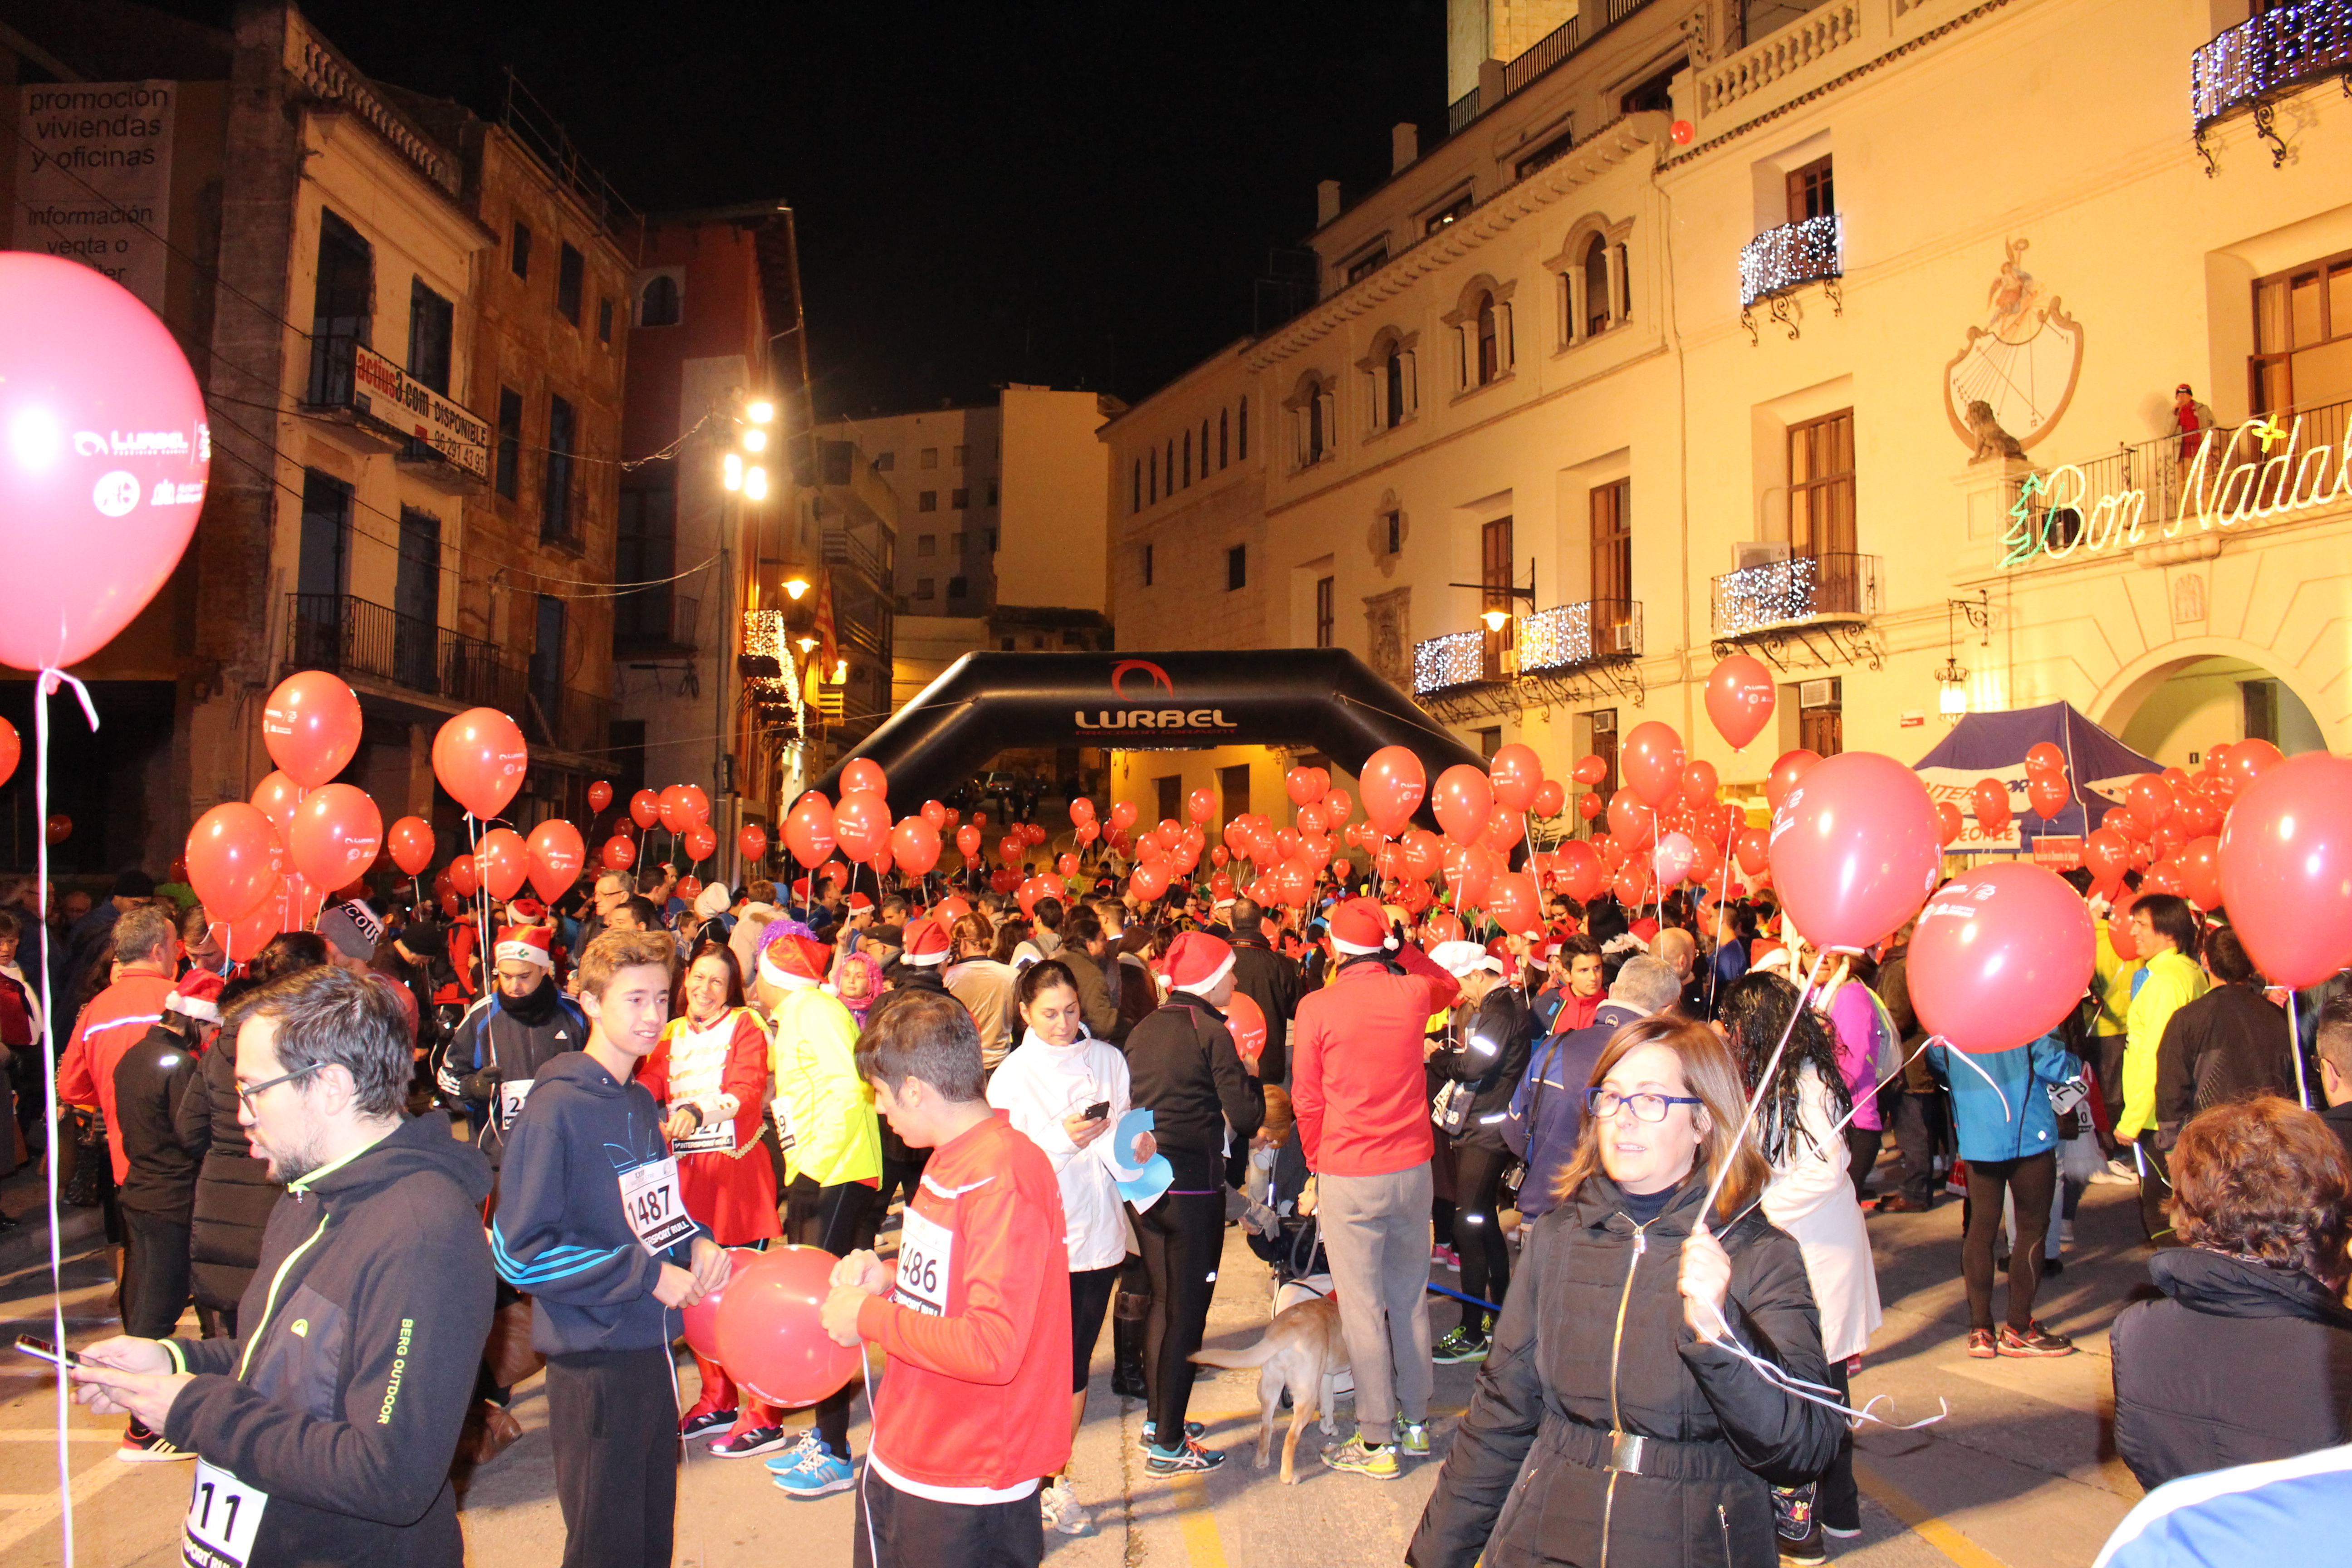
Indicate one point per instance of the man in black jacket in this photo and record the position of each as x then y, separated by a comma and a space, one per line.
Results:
2334, 1048
325, 1428
158, 1195
494, 1055
1274, 983
2230, 1043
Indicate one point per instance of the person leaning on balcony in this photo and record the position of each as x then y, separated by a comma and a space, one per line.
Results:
2191, 419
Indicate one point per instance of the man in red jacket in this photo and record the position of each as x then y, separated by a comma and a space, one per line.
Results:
1356, 1085
974, 1408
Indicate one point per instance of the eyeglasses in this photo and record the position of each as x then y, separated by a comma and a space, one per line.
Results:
1646, 1107
248, 1094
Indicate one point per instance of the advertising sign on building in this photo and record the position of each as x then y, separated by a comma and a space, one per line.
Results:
389, 395
94, 177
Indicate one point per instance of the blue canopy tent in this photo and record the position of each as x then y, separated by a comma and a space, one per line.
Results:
1993, 745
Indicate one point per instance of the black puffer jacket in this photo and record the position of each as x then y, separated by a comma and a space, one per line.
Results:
234, 1192
1491, 1057
2229, 1045
1182, 1066
2240, 1363
1592, 1338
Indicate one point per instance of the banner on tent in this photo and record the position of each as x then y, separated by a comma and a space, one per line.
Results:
1959, 786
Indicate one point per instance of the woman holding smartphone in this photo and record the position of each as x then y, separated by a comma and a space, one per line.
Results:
1067, 1091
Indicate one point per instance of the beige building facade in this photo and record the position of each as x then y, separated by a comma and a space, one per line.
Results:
1816, 358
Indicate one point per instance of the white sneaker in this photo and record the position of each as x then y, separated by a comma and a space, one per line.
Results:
1061, 1510
2116, 1173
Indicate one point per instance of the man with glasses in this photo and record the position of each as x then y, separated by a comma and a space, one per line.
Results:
353, 1366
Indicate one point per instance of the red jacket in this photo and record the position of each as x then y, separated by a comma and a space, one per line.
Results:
1355, 1080
116, 1019
977, 1393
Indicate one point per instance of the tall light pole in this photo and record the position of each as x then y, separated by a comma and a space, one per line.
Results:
742, 470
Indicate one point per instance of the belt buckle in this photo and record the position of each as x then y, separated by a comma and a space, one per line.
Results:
1624, 1453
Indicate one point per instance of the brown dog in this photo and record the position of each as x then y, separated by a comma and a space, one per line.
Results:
1302, 1351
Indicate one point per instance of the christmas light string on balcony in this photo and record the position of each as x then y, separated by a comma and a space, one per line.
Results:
1788, 258
2283, 49
1455, 659
1556, 638
1767, 596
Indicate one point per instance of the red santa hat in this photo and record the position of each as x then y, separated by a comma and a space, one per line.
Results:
528, 910
197, 996
528, 945
860, 901
1197, 960
927, 943
793, 961
1360, 926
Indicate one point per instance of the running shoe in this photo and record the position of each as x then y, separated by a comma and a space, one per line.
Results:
1981, 1345
1193, 1431
1360, 1458
1061, 1510
2115, 1173
1459, 1346
142, 1446
1185, 1461
1412, 1437
820, 1473
751, 1442
2035, 1341
699, 1422
1447, 1258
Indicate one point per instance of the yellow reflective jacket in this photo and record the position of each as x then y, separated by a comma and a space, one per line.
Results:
825, 1108
2112, 976
2173, 982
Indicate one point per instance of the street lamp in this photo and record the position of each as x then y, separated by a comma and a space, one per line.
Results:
1496, 618
794, 587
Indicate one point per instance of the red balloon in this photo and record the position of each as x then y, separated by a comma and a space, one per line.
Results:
1414, 896
2200, 872
479, 757
1589, 770
677, 809
1700, 782
644, 809
502, 860
250, 933
1652, 761
701, 1320
465, 876
769, 1337
410, 842
864, 774
1122, 815
915, 845
103, 468
1950, 823
1854, 849
1503, 831
619, 854
1246, 1022
1082, 811
2106, 853
2045, 758
1462, 799
751, 842
2247, 761
2287, 866
1516, 902
1551, 796
1576, 867
1792, 766
1469, 868
699, 842
1067, 865
2000, 957
1516, 772
600, 795
968, 842
2120, 821
1590, 804
1423, 852
1992, 797
809, 830
2151, 799
1393, 783
1200, 805
11, 748
234, 859
277, 796
1442, 926
1754, 847
698, 805
2049, 794
1628, 817
1299, 785
1632, 887
862, 824
1740, 697
1148, 880
557, 853
940, 818
311, 727
336, 835
689, 888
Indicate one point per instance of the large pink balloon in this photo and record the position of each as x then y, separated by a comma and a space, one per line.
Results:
234, 859
1653, 761
104, 447
769, 1337
2000, 956
2286, 868
336, 835
1740, 696
479, 757
700, 1322
1856, 849
311, 727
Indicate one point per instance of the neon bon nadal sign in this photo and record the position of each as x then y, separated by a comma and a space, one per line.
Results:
2228, 484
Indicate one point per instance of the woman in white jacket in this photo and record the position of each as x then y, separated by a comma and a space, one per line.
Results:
1810, 1196
1067, 1092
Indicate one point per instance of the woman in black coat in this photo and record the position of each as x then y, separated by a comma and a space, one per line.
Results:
1487, 1053
1610, 1422
2248, 1356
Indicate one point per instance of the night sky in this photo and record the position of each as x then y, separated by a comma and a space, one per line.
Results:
1079, 195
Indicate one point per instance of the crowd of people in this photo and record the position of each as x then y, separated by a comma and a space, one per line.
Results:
1665, 1299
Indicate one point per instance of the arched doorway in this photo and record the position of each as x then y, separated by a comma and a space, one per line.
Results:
2179, 711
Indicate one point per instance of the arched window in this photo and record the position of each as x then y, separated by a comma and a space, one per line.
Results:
1597, 313
1315, 429
1392, 386
1489, 349
658, 306
1222, 432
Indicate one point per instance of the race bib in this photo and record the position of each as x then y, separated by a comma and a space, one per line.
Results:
224, 1514
926, 1265
718, 1138
649, 1198
511, 1098
784, 1120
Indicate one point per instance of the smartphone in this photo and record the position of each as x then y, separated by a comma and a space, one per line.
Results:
1097, 1110
46, 1351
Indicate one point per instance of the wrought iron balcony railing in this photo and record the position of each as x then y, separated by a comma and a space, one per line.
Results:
1793, 592
348, 636
2285, 47
1788, 257
1564, 638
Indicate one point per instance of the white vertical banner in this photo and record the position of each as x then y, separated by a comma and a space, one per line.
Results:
94, 177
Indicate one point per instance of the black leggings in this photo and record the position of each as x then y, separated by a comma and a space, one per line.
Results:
839, 1219
1182, 1236
1477, 1233
2030, 1181
1090, 1292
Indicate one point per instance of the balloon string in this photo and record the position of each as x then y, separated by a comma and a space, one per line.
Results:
1861, 1100
44, 688
2294, 1044
1764, 1081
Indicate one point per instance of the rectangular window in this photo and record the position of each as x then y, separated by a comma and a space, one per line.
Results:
604, 320
1495, 572
1448, 215
1134, 488
509, 475
959, 588
2303, 336
1613, 541
341, 310
1490, 740
1147, 566
962, 456
1170, 788
1810, 193
1241, 430
570, 269
1821, 492
1551, 151
1233, 791
1236, 567
927, 545
1325, 609
931, 456
992, 492
1188, 457
416, 601
927, 502
1392, 525
956, 544
887, 463
1224, 431
559, 518
1655, 95
1821, 724
519, 255
645, 550
431, 322
960, 497
1371, 261
1152, 490
320, 569
547, 667
923, 587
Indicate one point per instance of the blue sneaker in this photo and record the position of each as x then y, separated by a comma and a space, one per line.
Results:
791, 1458
821, 1473
1150, 1438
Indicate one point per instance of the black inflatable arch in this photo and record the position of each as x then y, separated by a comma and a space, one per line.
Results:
1319, 697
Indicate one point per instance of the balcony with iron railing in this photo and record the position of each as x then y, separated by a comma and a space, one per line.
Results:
1801, 591
1594, 18
1779, 262
567, 719
2285, 47
1557, 642
864, 550
355, 638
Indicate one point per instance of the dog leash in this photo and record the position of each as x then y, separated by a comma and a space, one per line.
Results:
1459, 1296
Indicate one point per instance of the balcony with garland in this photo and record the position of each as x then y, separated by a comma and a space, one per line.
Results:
1809, 611
1569, 653
2251, 65
1778, 263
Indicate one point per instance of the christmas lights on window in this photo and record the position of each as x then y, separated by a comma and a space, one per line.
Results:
1789, 257
1557, 638
2284, 49
1773, 593
1455, 660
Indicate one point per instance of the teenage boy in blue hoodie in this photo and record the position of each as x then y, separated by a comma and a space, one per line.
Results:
591, 1227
